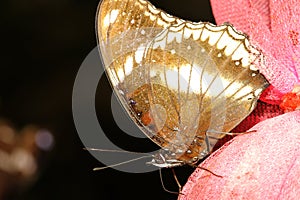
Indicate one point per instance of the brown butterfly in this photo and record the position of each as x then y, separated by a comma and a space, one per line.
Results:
185, 84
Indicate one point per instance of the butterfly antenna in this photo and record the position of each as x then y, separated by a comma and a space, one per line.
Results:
116, 151
121, 163
146, 155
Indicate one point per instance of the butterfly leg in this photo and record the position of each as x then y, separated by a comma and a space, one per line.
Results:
176, 179
205, 169
242, 133
221, 133
165, 189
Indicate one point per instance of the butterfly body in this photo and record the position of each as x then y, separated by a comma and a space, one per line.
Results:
181, 82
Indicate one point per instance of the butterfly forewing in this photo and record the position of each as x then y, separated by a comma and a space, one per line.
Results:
180, 81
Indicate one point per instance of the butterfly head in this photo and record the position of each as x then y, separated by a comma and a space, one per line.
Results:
166, 159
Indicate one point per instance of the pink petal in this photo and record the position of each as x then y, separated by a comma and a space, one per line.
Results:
273, 26
260, 165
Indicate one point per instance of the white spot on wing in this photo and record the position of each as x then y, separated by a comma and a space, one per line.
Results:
121, 75
147, 13
161, 22
153, 9
106, 21
171, 78
177, 80
243, 91
189, 78
167, 17
240, 53
139, 54
187, 33
196, 34
113, 15
257, 92
152, 17
205, 34
246, 61
214, 37
174, 36
110, 18
231, 46
195, 79
184, 74
223, 41
128, 66
213, 85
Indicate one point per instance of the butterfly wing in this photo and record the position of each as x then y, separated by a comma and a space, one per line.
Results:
124, 29
179, 80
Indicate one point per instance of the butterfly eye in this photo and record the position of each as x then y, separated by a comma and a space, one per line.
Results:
195, 159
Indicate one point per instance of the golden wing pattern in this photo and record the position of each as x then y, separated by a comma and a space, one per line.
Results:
184, 83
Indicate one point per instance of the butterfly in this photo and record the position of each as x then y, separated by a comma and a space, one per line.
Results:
185, 84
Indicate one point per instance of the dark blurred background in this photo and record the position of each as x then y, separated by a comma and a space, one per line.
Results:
43, 44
